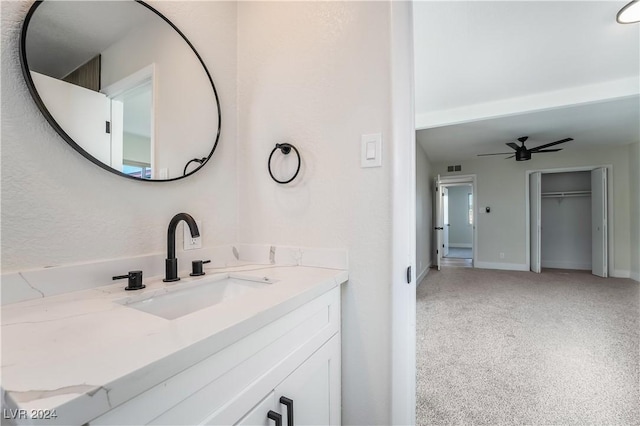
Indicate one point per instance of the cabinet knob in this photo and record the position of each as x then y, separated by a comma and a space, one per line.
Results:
276, 417
289, 404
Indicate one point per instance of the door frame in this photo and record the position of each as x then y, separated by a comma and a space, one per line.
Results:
130, 82
610, 210
402, 151
461, 180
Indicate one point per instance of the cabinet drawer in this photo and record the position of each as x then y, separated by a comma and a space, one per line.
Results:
193, 394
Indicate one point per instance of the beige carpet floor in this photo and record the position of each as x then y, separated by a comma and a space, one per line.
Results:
516, 348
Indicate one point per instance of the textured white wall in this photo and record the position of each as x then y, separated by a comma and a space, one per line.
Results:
501, 185
58, 208
317, 74
634, 179
424, 211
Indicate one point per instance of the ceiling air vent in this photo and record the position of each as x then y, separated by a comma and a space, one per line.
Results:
457, 168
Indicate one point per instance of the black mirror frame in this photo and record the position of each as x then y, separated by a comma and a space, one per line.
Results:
43, 109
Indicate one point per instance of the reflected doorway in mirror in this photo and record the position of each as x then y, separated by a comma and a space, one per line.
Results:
132, 125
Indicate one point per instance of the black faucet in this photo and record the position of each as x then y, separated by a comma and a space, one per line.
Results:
171, 263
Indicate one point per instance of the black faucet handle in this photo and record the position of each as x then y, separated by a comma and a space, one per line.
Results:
196, 267
135, 280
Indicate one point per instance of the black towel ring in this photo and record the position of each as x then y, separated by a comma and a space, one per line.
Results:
285, 148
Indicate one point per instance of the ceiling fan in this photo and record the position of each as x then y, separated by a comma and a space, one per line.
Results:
524, 154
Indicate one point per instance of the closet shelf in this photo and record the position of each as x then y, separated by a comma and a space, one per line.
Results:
564, 194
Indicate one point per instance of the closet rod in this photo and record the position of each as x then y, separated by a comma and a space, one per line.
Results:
566, 194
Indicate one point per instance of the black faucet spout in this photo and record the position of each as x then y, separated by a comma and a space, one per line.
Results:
171, 263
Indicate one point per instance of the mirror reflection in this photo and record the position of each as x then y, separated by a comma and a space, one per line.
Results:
124, 86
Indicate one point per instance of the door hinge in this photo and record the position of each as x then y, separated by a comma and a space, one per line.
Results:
107, 127
443, 246
436, 251
409, 275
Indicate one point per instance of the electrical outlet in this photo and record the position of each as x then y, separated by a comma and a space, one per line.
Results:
501, 255
191, 243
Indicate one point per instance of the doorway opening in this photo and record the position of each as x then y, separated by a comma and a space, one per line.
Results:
569, 226
132, 124
458, 225
455, 221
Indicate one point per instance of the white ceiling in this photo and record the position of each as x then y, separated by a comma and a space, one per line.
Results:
489, 72
63, 35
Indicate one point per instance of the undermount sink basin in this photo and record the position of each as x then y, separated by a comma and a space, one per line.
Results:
190, 297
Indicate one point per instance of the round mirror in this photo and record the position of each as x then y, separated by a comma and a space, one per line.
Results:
122, 85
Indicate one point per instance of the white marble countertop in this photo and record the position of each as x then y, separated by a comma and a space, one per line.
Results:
83, 353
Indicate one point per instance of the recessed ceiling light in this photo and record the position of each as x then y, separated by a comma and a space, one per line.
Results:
630, 13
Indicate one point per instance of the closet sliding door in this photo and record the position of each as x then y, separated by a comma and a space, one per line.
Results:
599, 255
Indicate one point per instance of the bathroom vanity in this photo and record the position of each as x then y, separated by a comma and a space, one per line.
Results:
106, 356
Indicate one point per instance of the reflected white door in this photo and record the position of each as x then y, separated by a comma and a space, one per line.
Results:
81, 112
599, 255
535, 216
445, 217
439, 221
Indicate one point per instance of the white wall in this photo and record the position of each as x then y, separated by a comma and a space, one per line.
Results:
317, 74
460, 230
501, 185
136, 148
58, 208
634, 205
566, 233
424, 212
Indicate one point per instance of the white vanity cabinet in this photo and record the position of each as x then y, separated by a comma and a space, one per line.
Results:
313, 389
296, 356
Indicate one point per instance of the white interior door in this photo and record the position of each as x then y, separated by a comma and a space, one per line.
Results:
535, 217
439, 221
81, 112
599, 255
445, 218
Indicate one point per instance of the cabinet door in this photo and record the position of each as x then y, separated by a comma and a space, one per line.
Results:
314, 388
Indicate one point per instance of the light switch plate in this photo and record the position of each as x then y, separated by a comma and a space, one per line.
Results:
371, 150
191, 243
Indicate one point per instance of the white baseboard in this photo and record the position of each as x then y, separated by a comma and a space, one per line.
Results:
621, 273
460, 245
422, 275
565, 265
502, 266
635, 276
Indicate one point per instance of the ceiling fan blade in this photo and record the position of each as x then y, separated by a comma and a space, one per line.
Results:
547, 150
497, 153
538, 148
513, 145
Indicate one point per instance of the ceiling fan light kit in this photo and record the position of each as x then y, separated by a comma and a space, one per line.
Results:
630, 13
522, 153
